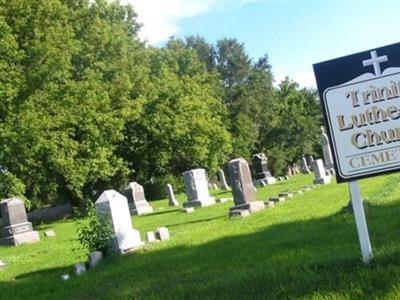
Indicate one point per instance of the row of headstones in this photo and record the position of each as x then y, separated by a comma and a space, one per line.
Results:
327, 162
17, 230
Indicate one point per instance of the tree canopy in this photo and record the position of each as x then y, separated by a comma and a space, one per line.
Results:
85, 105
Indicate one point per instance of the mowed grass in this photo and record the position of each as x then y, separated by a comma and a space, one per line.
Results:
306, 248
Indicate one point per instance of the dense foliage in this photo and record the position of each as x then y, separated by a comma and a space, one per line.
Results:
94, 233
85, 105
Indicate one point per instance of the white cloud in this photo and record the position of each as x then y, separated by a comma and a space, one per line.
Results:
160, 17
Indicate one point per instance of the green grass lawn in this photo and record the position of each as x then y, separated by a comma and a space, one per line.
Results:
306, 247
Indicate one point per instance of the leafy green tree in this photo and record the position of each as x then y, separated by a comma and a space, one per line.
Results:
82, 71
181, 124
296, 129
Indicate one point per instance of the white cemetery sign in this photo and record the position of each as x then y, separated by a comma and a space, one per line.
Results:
360, 97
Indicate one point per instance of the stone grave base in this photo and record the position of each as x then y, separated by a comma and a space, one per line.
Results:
22, 238
187, 210
286, 195
269, 203
277, 199
140, 209
222, 200
242, 213
129, 241
268, 180
322, 180
252, 207
200, 202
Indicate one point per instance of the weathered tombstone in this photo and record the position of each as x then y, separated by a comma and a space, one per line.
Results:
222, 180
95, 258
296, 169
171, 196
79, 269
289, 171
319, 172
49, 233
326, 150
310, 159
112, 207
244, 195
262, 174
304, 166
16, 229
138, 204
162, 234
196, 187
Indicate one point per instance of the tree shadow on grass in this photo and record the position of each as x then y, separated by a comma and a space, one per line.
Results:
304, 259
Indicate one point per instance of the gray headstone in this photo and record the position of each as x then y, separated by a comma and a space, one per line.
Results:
112, 207
196, 187
171, 197
138, 204
95, 258
16, 229
326, 149
222, 180
162, 234
244, 195
304, 166
262, 174
79, 269
319, 172
289, 171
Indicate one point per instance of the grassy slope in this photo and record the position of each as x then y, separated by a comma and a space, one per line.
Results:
304, 248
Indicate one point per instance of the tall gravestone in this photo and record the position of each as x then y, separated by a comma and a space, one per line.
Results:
319, 172
222, 180
310, 159
171, 196
326, 150
304, 166
112, 208
289, 171
138, 204
244, 195
16, 229
196, 187
260, 164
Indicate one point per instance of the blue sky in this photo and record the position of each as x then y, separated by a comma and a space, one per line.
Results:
294, 34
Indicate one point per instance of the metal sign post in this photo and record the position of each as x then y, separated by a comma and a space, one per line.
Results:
361, 222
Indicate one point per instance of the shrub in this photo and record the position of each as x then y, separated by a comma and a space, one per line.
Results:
94, 233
